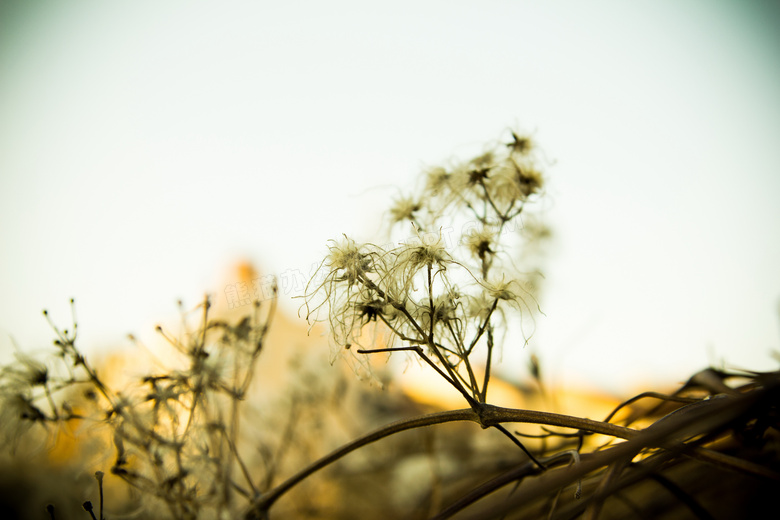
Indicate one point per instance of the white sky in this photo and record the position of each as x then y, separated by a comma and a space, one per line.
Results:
146, 147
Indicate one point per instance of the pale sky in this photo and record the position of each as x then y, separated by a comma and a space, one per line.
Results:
147, 147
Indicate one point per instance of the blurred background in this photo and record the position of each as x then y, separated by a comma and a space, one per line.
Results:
148, 149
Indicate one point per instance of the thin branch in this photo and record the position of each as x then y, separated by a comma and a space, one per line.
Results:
240, 461
482, 327
519, 445
452, 379
654, 395
465, 359
488, 363
398, 333
414, 348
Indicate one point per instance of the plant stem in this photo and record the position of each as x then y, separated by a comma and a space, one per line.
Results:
487, 416
488, 363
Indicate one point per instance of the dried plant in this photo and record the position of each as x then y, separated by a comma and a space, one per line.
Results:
174, 434
189, 442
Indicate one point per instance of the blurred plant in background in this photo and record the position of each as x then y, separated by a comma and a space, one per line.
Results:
174, 435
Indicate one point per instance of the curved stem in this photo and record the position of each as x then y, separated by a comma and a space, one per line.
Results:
487, 416
266, 500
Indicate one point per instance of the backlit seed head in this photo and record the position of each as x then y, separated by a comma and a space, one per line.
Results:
436, 180
347, 262
404, 209
520, 144
480, 241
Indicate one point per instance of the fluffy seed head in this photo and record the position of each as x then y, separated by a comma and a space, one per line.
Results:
480, 241
404, 209
347, 261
